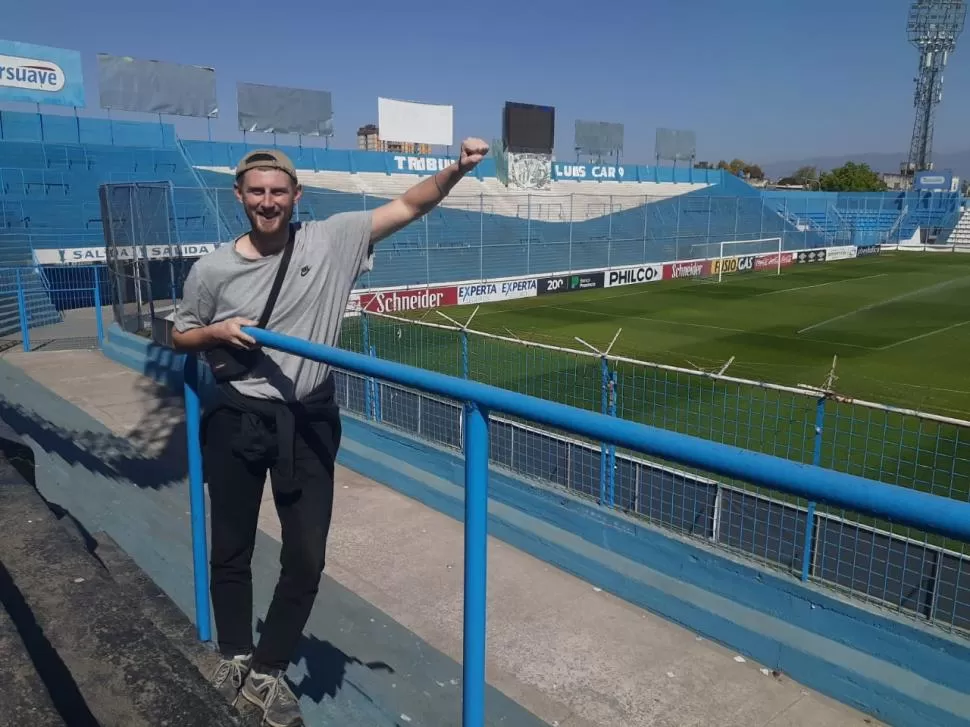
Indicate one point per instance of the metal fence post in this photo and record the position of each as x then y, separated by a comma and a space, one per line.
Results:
476, 554
810, 515
22, 312
376, 396
464, 354
193, 421
604, 407
97, 307
611, 475
368, 381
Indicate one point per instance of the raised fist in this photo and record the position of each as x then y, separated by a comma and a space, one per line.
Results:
472, 152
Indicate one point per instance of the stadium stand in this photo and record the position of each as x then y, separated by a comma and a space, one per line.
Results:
51, 168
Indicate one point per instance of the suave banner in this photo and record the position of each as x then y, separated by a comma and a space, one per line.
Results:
40, 74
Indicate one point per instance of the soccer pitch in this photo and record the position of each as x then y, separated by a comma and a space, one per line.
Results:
898, 323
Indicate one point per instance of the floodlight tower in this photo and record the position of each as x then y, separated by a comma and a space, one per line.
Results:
933, 27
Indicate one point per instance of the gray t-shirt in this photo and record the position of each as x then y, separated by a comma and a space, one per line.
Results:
328, 256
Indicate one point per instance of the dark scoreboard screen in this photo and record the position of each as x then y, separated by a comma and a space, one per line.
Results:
528, 128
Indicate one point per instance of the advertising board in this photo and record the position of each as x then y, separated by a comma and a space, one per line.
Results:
40, 74
690, 269
499, 290
634, 275
99, 255
771, 262
732, 265
845, 252
570, 283
398, 301
868, 250
810, 256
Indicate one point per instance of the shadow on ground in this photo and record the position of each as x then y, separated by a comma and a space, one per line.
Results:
151, 454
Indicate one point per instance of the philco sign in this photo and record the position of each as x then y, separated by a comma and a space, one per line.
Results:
633, 276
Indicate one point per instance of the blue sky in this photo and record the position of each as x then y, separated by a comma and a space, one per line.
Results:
764, 80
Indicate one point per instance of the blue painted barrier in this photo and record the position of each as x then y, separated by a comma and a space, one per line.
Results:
903, 506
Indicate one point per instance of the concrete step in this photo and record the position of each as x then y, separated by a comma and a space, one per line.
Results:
111, 665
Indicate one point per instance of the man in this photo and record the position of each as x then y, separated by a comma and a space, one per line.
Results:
279, 415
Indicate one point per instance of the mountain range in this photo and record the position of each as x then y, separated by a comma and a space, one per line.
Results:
958, 161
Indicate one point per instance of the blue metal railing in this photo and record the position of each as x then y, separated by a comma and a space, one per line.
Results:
928, 512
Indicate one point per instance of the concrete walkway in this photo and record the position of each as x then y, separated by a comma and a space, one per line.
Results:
568, 653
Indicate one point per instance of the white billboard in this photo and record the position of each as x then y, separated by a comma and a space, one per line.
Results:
419, 123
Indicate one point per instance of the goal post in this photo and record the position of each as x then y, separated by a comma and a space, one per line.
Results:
763, 254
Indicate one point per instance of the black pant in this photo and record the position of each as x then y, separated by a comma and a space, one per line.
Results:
235, 492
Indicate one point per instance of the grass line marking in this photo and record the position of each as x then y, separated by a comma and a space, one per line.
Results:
924, 335
877, 304
820, 285
710, 327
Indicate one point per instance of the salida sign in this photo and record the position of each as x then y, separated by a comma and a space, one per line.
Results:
398, 301
634, 275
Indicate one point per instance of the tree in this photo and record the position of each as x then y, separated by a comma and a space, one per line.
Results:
805, 175
852, 177
753, 171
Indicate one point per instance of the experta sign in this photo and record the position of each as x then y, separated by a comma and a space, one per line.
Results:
570, 283
634, 275
494, 292
40, 74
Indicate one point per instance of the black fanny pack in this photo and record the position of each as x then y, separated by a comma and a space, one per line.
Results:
229, 363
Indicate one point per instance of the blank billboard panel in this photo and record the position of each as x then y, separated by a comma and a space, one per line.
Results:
676, 145
528, 128
417, 123
278, 110
154, 87
599, 137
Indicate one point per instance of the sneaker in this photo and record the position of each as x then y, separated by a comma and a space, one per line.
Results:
229, 674
272, 693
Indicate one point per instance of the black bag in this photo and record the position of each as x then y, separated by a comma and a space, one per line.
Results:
228, 362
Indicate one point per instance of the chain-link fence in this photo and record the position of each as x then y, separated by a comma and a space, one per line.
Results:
910, 571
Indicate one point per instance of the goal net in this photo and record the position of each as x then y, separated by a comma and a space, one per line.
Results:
728, 257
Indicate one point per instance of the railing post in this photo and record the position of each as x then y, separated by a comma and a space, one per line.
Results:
611, 475
97, 307
476, 553
368, 381
376, 396
193, 421
22, 312
464, 354
810, 515
604, 407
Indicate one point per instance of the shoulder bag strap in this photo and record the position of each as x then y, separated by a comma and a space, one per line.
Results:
278, 281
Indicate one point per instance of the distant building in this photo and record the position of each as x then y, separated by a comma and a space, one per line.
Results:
369, 139
896, 181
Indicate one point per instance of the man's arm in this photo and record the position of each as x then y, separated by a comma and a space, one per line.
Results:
425, 195
224, 332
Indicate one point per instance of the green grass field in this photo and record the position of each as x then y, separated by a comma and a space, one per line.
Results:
899, 324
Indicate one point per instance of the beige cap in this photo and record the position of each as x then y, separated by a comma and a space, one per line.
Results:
266, 158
